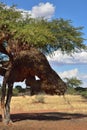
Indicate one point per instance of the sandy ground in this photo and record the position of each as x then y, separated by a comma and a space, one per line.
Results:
47, 119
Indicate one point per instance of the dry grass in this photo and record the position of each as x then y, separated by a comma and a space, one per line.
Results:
52, 103
55, 114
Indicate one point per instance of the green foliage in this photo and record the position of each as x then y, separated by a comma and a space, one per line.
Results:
67, 36
71, 90
8, 19
73, 85
19, 88
40, 33
73, 82
15, 92
83, 94
81, 91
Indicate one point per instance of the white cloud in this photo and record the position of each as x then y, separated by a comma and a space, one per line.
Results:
80, 57
45, 10
76, 58
69, 73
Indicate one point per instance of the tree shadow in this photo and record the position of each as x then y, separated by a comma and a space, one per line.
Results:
46, 116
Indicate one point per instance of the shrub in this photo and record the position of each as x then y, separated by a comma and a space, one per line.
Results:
39, 99
84, 94
71, 90
15, 92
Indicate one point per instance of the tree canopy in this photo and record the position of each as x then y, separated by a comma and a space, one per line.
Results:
73, 82
39, 32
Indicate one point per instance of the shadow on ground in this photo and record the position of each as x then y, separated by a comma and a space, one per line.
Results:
46, 116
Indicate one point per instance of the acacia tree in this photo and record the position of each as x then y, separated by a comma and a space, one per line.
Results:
25, 33
73, 82
45, 35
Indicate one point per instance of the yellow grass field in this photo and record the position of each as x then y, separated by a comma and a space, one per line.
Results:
71, 103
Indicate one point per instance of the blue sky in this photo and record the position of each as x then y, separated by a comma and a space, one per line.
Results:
74, 10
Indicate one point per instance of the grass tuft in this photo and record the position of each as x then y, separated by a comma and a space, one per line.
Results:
39, 99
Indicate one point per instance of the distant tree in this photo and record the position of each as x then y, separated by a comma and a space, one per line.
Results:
19, 88
73, 82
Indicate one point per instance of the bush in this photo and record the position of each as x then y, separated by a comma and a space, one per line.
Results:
15, 92
81, 91
84, 94
71, 90
39, 99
